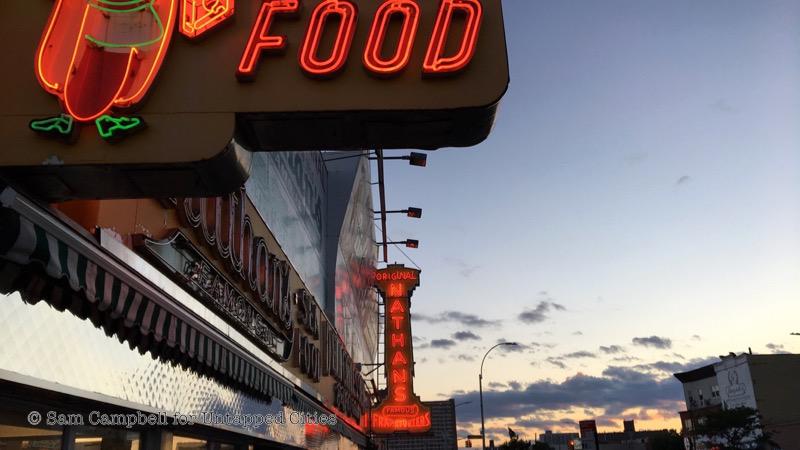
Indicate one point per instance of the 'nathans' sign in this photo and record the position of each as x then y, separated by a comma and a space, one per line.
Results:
139, 87
401, 410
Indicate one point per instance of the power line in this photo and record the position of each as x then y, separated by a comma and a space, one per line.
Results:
400, 249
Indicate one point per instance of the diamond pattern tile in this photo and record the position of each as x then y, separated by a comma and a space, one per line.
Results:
43, 343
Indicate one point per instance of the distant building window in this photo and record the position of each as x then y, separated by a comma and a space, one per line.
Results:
715, 391
700, 395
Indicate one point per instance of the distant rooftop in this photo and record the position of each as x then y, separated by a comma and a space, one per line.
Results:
696, 374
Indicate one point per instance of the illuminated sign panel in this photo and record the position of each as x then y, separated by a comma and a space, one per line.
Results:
402, 409
104, 97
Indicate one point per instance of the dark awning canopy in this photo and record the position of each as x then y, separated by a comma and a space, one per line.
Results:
44, 260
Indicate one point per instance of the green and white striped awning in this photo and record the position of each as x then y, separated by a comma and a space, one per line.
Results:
42, 267
52, 263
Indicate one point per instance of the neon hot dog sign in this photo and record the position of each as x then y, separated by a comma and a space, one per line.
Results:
100, 57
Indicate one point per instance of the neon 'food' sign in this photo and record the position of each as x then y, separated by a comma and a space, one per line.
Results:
401, 410
100, 57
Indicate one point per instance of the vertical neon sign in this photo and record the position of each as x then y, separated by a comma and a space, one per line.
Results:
401, 410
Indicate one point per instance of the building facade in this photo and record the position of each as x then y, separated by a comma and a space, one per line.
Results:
627, 439
761, 382
442, 435
697, 385
186, 323
559, 441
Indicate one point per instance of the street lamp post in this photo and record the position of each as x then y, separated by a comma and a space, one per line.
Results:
480, 390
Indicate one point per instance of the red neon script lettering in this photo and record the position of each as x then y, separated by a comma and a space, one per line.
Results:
309, 53
260, 39
435, 60
373, 60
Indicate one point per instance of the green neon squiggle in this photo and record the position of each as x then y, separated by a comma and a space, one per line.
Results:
109, 127
122, 2
149, 6
62, 124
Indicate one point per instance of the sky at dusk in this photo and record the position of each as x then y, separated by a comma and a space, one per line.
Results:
635, 212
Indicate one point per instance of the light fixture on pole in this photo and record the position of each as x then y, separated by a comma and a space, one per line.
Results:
410, 243
480, 389
412, 212
414, 159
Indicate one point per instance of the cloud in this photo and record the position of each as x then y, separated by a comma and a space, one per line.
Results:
653, 341
469, 320
579, 355
615, 391
685, 179
543, 423
539, 313
626, 359
442, 343
722, 105
547, 345
466, 336
696, 337
670, 367
612, 349
496, 385
777, 349
464, 269
558, 362
577, 333
635, 158
464, 357
519, 348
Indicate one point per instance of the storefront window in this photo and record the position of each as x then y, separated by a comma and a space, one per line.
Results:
187, 443
26, 438
106, 439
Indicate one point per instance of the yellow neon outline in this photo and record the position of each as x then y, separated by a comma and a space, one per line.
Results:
195, 26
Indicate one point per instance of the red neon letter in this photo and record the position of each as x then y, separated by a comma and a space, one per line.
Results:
372, 54
309, 53
399, 376
397, 321
398, 340
398, 359
435, 61
400, 394
395, 290
397, 307
260, 39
